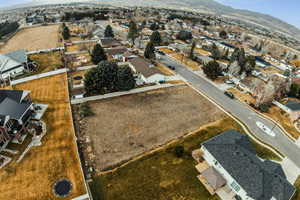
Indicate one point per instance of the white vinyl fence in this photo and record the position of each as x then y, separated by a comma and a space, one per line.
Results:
34, 77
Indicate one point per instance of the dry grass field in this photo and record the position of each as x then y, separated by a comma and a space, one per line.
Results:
164, 69
47, 62
202, 52
188, 62
283, 118
127, 126
163, 175
34, 176
42, 37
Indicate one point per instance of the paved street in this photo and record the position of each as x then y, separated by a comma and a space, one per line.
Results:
281, 142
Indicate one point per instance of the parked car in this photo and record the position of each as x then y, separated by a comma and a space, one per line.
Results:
229, 82
171, 67
229, 94
161, 53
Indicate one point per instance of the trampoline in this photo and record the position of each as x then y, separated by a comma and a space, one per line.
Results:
62, 188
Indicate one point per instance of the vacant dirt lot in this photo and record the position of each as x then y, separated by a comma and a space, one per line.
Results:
125, 127
42, 37
35, 175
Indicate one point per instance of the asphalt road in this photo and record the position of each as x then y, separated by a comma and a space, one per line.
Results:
281, 142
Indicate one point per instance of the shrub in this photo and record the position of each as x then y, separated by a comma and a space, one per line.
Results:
264, 108
179, 151
85, 110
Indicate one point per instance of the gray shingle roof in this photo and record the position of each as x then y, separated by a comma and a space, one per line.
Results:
293, 105
18, 56
144, 67
262, 180
11, 103
110, 42
15, 95
15, 110
116, 51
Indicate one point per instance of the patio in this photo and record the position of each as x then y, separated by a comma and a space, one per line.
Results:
206, 185
226, 193
202, 166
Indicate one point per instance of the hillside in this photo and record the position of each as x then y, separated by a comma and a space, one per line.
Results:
209, 6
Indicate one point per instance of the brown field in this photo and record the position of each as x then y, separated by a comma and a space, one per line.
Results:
127, 126
165, 50
164, 69
283, 118
296, 63
188, 62
30, 39
202, 52
47, 62
35, 175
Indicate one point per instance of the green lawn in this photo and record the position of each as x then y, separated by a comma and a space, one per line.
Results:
162, 175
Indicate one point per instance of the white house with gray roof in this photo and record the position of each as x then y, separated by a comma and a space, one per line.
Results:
234, 163
145, 71
13, 64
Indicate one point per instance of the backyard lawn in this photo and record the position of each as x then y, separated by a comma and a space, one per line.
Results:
34, 177
161, 175
47, 62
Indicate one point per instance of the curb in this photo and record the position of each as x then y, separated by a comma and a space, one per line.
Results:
246, 129
271, 120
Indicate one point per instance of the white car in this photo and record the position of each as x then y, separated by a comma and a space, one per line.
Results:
265, 129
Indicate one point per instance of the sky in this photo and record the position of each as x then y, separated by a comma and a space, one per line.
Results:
286, 10
5, 3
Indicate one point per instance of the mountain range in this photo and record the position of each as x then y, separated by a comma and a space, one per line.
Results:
209, 6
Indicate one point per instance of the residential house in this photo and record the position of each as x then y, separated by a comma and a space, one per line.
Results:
121, 54
204, 59
145, 71
109, 43
16, 110
261, 62
291, 107
226, 46
232, 169
77, 87
13, 64
98, 33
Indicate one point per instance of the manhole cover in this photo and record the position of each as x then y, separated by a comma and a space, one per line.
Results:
62, 188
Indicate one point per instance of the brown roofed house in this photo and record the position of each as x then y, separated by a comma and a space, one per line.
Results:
146, 71
109, 43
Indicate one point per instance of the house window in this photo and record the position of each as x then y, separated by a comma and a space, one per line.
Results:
216, 162
235, 186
